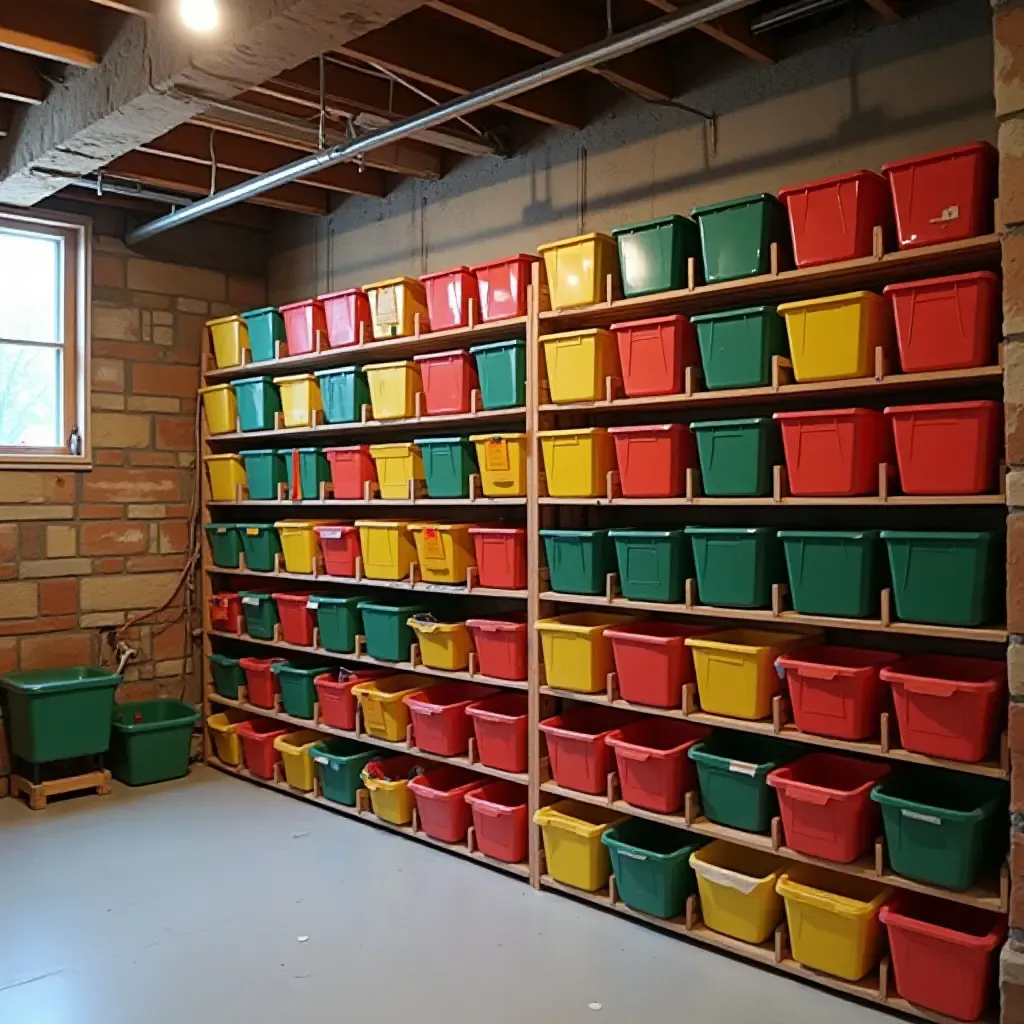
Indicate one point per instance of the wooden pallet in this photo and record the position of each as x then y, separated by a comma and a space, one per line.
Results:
39, 793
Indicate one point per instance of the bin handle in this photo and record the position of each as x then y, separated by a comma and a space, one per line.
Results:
928, 819
427, 709
806, 796
820, 900
487, 809
743, 768
632, 754
827, 672
632, 855
930, 687
723, 876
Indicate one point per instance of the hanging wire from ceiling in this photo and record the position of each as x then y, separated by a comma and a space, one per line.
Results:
213, 160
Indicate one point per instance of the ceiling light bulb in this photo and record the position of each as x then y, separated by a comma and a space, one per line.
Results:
199, 15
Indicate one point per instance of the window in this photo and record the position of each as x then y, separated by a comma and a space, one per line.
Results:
43, 339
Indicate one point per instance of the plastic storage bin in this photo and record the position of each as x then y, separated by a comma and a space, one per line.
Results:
386, 629
449, 380
444, 551
653, 460
307, 469
399, 467
266, 333
834, 572
736, 236
260, 614
294, 748
576, 462
578, 748
382, 704
448, 463
948, 706
578, 561
297, 617
300, 399
298, 694
398, 308
387, 548
946, 323
500, 728
578, 363
737, 346
500, 821
225, 544
654, 355
573, 849
943, 196
305, 323
334, 694
226, 613
387, 780
651, 757
441, 807
259, 401
950, 448
500, 556
653, 564
652, 661
227, 675
577, 654
261, 544
265, 472
226, 475
352, 472
230, 337
443, 645
653, 255
502, 461
221, 408
261, 683
501, 369
393, 389
736, 456
500, 648
577, 269
502, 286
226, 742
298, 545
258, 753
736, 567
150, 741
344, 392
339, 544
348, 317
448, 294
339, 763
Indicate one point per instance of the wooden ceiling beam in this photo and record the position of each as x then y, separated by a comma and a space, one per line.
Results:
142, 8
55, 30
732, 31
20, 80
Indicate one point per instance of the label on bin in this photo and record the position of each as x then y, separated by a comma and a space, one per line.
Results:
929, 819
321, 760
312, 604
496, 455
330, 534
433, 546
250, 600
253, 531
743, 767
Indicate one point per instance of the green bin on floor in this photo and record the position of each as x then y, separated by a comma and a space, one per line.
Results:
258, 400
265, 471
386, 629
314, 470
578, 560
260, 542
227, 674
947, 579
339, 622
260, 613
736, 347
653, 564
339, 763
501, 369
344, 392
834, 572
151, 741
736, 236
58, 713
448, 463
651, 864
653, 255
737, 456
225, 544
732, 769
736, 566
943, 828
298, 694
266, 329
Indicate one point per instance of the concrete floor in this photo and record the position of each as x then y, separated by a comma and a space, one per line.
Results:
190, 901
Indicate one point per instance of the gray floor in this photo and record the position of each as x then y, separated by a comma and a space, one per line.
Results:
212, 899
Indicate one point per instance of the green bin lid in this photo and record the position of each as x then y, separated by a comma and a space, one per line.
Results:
258, 595
735, 531
645, 225
338, 371
156, 715
498, 346
331, 599
728, 204
60, 680
578, 534
766, 752
625, 534
258, 452
252, 380
731, 314
753, 421
443, 440
308, 451
973, 536
264, 311
219, 527
828, 534
223, 659
394, 609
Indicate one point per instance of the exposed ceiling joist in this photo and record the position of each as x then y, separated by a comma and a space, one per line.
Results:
56, 30
19, 79
731, 31
143, 8
6, 118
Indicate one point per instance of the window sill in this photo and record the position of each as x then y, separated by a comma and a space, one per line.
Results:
62, 463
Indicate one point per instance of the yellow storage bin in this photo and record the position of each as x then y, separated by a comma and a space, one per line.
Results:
502, 462
833, 920
578, 363
443, 645
391, 799
737, 890
577, 655
387, 548
300, 399
836, 337
226, 474
573, 849
297, 760
226, 741
299, 544
576, 462
394, 305
221, 408
230, 339
578, 267
382, 703
444, 551
393, 388
398, 465
735, 669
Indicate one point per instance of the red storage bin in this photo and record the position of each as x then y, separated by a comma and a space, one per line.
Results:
652, 461
500, 648
438, 717
835, 219
297, 621
352, 469
303, 321
949, 448
577, 747
652, 661
345, 314
826, 807
500, 726
654, 354
502, 286
441, 802
500, 556
948, 706
335, 697
500, 820
261, 684
654, 770
258, 753
833, 452
943, 954
339, 544
226, 613
448, 295
940, 197
837, 691
449, 380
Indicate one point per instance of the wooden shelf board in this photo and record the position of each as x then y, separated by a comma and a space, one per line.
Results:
372, 503
872, 500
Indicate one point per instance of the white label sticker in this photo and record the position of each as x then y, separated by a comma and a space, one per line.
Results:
743, 768
331, 534
321, 760
312, 604
929, 819
250, 600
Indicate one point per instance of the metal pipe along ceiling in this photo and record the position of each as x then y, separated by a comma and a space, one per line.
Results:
559, 67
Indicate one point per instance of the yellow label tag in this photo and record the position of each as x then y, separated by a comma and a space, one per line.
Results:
496, 455
252, 531
433, 545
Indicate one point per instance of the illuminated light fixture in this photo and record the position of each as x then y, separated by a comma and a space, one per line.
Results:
199, 15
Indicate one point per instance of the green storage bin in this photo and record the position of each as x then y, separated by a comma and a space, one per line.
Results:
339, 622
261, 543
732, 769
260, 613
736, 566
151, 741
578, 560
266, 329
834, 572
653, 564
653, 255
736, 347
344, 392
339, 763
943, 828
298, 694
225, 544
386, 629
736, 236
258, 400
947, 579
58, 713
651, 864
265, 471
501, 369
227, 674
314, 470
737, 456
448, 463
